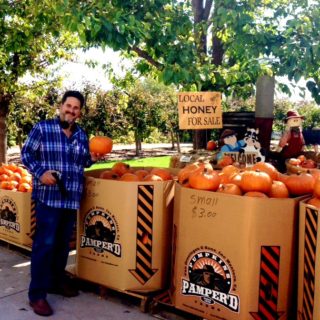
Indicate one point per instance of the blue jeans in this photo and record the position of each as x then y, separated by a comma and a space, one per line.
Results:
50, 248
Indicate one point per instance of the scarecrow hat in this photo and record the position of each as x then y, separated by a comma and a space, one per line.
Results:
227, 133
208, 268
293, 114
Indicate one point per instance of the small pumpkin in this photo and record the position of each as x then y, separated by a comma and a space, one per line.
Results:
300, 183
129, 177
100, 144
255, 180
255, 194
164, 173
229, 188
211, 145
109, 175
315, 201
120, 168
205, 180
141, 173
152, 177
278, 190
268, 168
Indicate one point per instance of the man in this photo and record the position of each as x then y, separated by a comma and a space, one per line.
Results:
56, 153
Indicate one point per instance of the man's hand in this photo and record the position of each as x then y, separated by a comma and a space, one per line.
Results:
96, 156
47, 178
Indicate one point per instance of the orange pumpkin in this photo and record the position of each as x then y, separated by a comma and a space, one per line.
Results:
184, 173
300, 183
236, 178
316, 188
152, 177
230, 170
211, 145
278, 190
100, 144
4, 177
255, 180
229, 188
141, 173
9, 185
268, 168
120, 168
23, 172
109, 175
205, 180
225, 161
255, 194
165, 174
314, 202
129, 177
24, 187
15, 176
26, 179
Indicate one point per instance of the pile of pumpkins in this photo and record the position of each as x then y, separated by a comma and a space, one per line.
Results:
123, 172
14, 177
261, 180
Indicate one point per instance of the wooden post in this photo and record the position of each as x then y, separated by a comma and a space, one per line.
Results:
264, 109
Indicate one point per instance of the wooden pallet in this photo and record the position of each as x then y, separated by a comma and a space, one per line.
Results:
15, 246
144, 299
163, 308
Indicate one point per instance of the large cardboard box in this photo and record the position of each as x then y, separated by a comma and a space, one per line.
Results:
234, 256
124, 234
309, 263
17, 220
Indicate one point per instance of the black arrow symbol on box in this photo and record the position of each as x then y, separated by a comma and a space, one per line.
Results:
268, 285
144, 271
310, 249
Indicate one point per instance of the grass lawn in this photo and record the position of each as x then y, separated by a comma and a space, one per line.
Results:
162, 162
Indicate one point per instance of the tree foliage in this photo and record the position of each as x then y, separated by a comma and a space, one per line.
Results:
206, 45
32, 38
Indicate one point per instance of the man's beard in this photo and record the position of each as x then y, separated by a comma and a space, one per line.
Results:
65, 122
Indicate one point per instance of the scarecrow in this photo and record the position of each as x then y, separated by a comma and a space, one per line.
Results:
292, 142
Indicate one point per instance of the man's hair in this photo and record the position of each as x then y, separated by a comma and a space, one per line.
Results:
75, 94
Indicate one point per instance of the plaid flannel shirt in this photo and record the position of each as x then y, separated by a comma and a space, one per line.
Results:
48, 148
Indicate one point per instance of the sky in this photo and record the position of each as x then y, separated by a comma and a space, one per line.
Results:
75, 73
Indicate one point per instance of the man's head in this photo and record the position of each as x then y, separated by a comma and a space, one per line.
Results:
75, 94
70, 108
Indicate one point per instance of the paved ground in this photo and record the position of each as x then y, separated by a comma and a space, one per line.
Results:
15, 275
14, 279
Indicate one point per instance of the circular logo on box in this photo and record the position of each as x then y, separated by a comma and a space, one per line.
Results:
8, 214
100, 232
209, 277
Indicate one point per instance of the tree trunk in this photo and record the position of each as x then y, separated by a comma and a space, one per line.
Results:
172, 138
201, 12
138, 143
178, 142
200, 139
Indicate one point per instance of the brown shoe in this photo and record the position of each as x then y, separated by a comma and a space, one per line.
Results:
66, 290
41, 307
